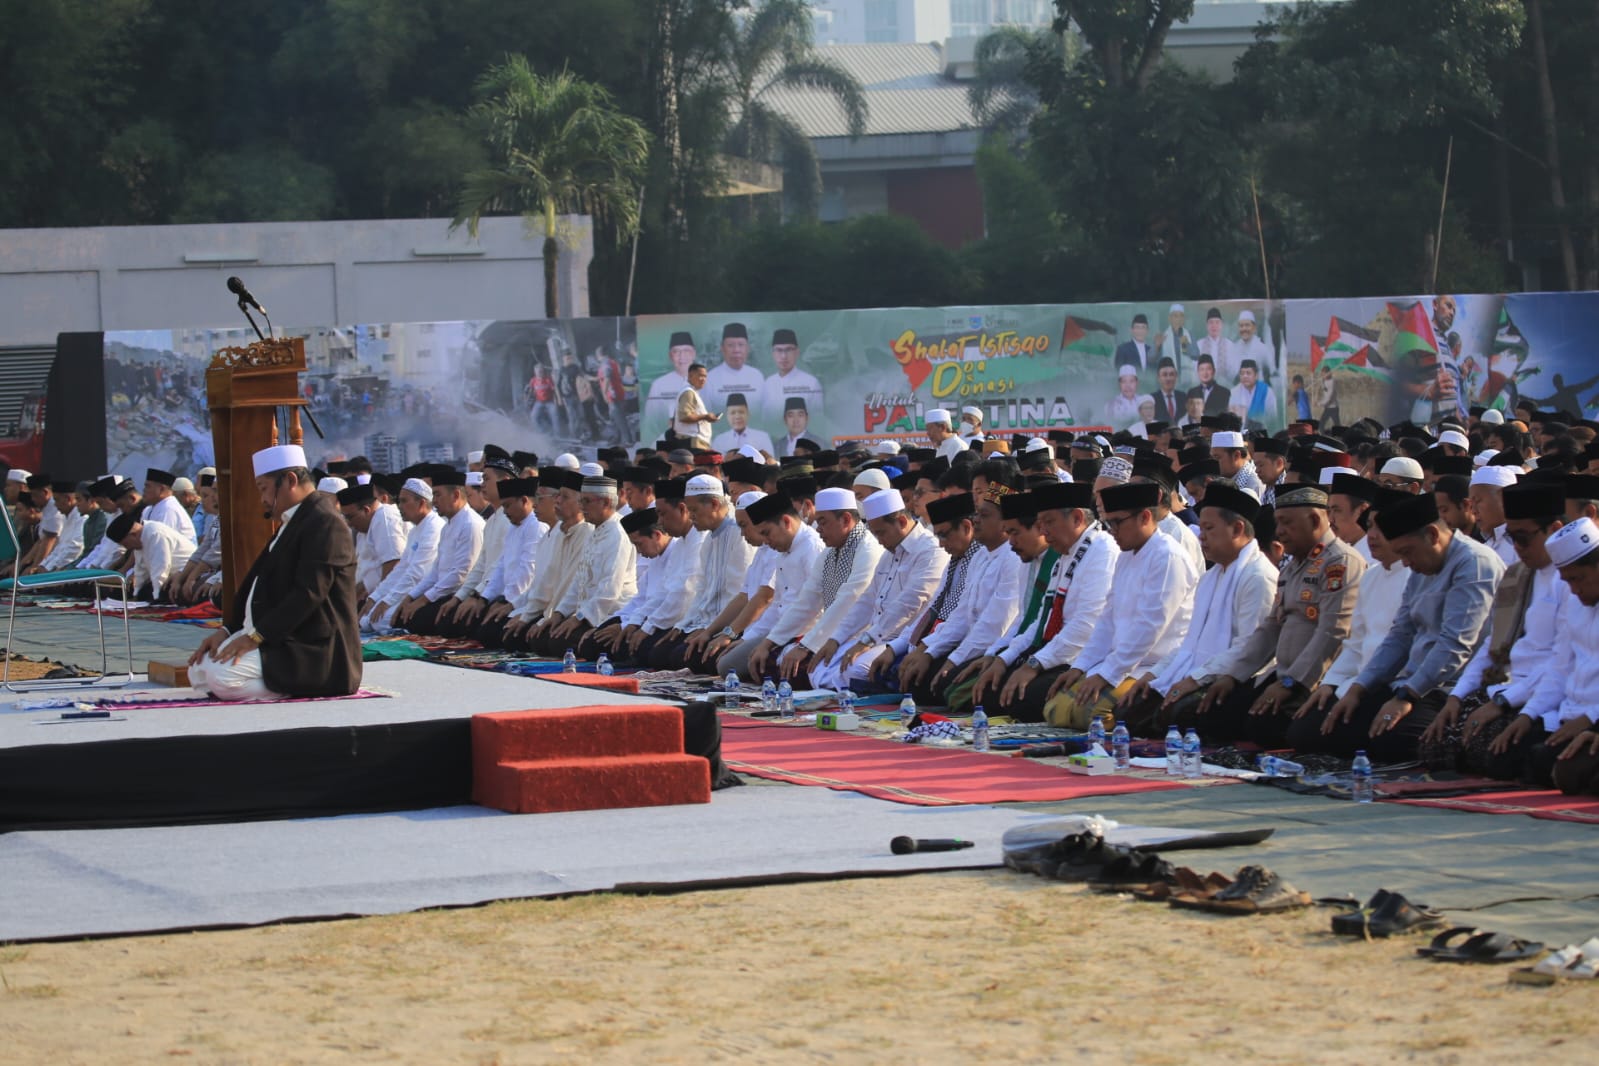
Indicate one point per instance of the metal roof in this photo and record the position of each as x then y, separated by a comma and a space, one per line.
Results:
907, 91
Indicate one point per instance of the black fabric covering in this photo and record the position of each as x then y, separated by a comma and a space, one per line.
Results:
241, 777
74, 411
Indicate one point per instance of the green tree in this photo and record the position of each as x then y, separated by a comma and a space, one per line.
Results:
871, 261
1016, 67
557, 145
1127, 39
774, 47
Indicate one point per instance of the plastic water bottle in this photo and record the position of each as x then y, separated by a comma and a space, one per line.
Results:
1276, 766
907, 712
1191, 767
1363, 790
979, 729
603, 666
785, 700
1096, 734
768, 696
1174, 752
730, 688
569, 662
1121, 746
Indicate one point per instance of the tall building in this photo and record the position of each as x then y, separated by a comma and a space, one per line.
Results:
920, 21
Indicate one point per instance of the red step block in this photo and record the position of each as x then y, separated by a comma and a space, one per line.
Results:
596, 783
614, 683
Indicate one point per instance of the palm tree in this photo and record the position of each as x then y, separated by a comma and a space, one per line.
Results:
558, 145
1012, 62
775, 47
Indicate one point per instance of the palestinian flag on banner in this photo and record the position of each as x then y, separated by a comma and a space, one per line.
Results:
1350, 346
1089, 336
1507, 338
1414, 333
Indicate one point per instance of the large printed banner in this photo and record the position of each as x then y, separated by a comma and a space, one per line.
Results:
832, 375
432, 391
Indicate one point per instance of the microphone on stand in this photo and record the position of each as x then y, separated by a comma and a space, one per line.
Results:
236, 287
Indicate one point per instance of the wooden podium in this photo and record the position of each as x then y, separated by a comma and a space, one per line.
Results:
245, 389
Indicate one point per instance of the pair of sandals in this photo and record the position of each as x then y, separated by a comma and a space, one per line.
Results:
1465, 943
1255, 890
1572, 962
1384, 915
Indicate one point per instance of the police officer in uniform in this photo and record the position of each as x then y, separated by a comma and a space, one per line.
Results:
1306, 627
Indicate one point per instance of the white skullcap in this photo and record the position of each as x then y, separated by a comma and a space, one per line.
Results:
1497, 476
937, 414
327, 484
568, 461
881, 504
886, 447
1329, 473
1176, 309
1128, 371
748, 498
1482, 457
1571, 542
474, 457
1037, 444
1403, 466
1493, 417
182, 484
474, 477
590, 469
703, 485
417, 487
202, 472
749, 451
874, 479
1227, 438
1116, 469
19, 474
836, 500
1246, 316
972, 412
1455, 437
363, 479
281, 457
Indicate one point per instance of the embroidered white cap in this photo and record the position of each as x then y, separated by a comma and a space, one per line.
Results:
1571, 542
279, 457
417, 487
328, 484
874, 479
704, 485
591, 470
1227, 438
1403, 466
748, 498
881, 504
836, 500
1497, 476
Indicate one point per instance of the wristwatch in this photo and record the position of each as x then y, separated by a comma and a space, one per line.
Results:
253, 635
1032, 663
1287, 682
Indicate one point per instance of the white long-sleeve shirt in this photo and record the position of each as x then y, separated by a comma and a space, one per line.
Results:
1177, 530
1079, 600
459, 543
69, 543
1017, 637
169, 512
1571, 686
1145, 618
810, 615
1229, 603
514, 571
904, 582
793, 571
496, 527
990, 606
1381, 589
383, 542
554, 565
163, 554
761, 572
666, 601
606, 578
1531, 654
725, 557
421, 547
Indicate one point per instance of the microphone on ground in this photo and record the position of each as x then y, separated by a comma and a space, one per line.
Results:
910, 845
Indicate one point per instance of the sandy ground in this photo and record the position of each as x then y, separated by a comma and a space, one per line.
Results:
985, 966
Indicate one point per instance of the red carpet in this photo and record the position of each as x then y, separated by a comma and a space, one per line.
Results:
906, 773
1552, 805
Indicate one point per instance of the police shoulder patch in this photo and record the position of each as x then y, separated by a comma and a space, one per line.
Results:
1335, 577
